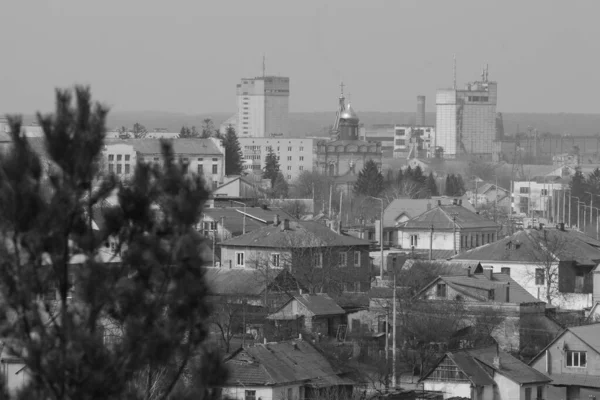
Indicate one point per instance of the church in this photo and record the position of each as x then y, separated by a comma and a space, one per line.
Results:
343, 156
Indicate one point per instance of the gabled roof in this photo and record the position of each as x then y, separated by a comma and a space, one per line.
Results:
243, 282
486, 187
180, 146
282, 363
589, 334
441, 217
318, 305
409, 207
256, 217
524, 246
303, 234
478, 365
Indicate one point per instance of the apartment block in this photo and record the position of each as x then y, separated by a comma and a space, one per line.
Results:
295, 155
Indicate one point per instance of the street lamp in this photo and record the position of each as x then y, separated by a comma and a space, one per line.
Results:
591, 204
578, 201
244, 223
380, 235
578, 209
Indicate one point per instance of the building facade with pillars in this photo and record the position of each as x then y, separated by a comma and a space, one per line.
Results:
344, 154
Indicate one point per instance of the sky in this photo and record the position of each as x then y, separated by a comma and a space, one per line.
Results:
187, 55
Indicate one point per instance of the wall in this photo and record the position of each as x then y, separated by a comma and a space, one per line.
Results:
444, 240
557, 364
450, 389
254, 257
534, 197
445, 128
295, 155
14, 375
264, 393
508, 389
127, 162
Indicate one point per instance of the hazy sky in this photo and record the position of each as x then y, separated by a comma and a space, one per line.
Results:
187, 55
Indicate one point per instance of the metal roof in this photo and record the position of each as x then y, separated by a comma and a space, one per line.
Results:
441, 217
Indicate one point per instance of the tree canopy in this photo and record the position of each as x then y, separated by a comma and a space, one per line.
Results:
89, 321
370, 180
271, 169
233, 152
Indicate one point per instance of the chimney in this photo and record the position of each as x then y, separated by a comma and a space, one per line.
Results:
439, 202
596, 287
508, 292
454, 202
460, 202
562, 226
428, 206
420, 120
300, 336
487, 272
497, 358
276, 220
469, 271
265, 340
285, 225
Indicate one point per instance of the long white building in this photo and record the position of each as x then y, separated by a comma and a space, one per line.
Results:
263, 107
295, 155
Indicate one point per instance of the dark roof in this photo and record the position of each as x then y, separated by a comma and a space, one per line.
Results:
299, 234
280, 363
349, 300
234, 217
589, 381
524, 246
319, 304
180, 146
225, 281
441, 217
590, 334
478, 365
410, 207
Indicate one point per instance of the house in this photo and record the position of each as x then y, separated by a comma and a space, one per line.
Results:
489, 194
485, 374
572, 361
446, 227
314, 313
553, 264
537, 196
239, 188
322, 258
292, 370
495, 297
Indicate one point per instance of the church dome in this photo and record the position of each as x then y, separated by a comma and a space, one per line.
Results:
349, 114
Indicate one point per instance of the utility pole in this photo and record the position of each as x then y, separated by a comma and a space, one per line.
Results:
431, 244
591, 205
394, 338
495, 200
454, 233
570, 209
330, 198
564, 204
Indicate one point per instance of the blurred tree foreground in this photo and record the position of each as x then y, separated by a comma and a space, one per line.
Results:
60, 295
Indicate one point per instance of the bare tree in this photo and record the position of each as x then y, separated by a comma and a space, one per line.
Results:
295, 208
407, 188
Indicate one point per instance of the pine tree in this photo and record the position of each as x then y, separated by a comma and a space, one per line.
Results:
432, 185
417, 175
233, 153
460, 186
450, 185
370, 180
408, 172
399, 176
60, 297
280, 187
271, 168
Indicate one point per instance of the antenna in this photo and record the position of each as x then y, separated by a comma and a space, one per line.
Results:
455, 72
264, 65
342, 89
486, 72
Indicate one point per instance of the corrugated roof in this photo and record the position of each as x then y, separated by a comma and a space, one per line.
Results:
441, 217
282, 363
180, 146
299, 234
524, 246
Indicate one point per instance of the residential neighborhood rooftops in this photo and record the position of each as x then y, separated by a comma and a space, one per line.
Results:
303, 234
442, 217
282, 363
316, 305
233, 217
409, 207
528, 246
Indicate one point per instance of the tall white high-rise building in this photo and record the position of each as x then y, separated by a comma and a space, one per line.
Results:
263, 107
466, 119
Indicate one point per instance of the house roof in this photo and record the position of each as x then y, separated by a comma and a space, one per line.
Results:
590, 381
526, 246
441, 217
180, 146
410, 207
589, 334
282, 363
234, 217
225, 281
486, 187
300, 234
317, 304
478, 365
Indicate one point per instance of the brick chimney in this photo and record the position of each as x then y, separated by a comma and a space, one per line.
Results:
488, 271
285, 225
276, 219
508, 292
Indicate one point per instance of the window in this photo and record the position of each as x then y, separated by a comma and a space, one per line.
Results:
505, 270
539, 393
400, 132
301, 168
301, 158
250, 395
126, 168
540, 276
111, 168
200, 169
239, 258
440, 290
127, 157
119, 169
289, 168
492, 295
156, 159
301, 148
357, 258
414, 240
200, 159
544, 192
318, 260
119, 157
476, 240
215, 168
579, 279
289, 149
527, 393
111, 157
289, 158
400, 142
343, 259
576, 359
289, 177
275, 259
523, 190
289, 393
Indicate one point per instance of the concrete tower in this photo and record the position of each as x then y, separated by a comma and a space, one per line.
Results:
420, 120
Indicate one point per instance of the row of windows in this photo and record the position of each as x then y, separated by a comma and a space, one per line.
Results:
300, 168
478, 98
119, 169
441, 291
111, 157
240, 257
476, 239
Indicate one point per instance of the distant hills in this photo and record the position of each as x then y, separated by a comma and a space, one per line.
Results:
315, 123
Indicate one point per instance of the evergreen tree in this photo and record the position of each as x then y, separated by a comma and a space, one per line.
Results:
208, 128
432, 185
417, 175
449, 191
185, 133
139, 131
399, 176
61, 300
280, 187
408, 172
271, 168
459, 186
370, 180
233, 153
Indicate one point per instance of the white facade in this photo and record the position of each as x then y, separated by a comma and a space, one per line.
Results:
422, 136
119, 158
422, 239
291, 392
536, 197
295, 155
466, 119
263, 107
